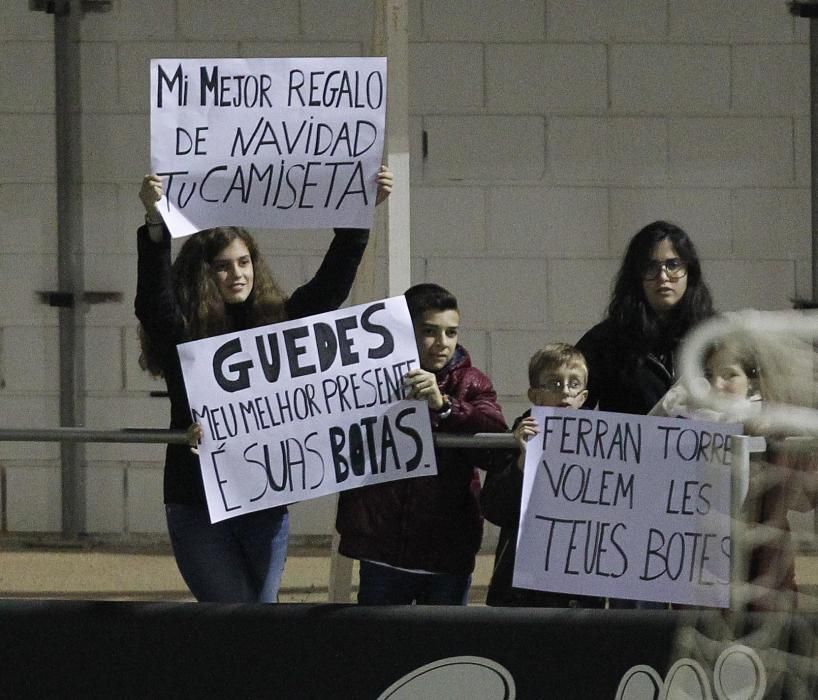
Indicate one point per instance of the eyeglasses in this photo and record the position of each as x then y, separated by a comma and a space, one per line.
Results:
557, 386
674, 268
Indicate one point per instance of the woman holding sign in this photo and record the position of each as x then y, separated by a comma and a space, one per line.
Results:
659, 295
218, 283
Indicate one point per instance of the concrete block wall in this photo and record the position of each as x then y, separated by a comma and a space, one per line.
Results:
544, 133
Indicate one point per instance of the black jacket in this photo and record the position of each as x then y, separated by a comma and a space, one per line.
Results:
619, 381
159, 313
500, 501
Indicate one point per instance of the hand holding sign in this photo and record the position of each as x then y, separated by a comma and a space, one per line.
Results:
526, 429
385, 182
150, 193
423, 385
195, 433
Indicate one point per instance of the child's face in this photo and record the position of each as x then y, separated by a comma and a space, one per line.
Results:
561, 388
726, 375
436, 335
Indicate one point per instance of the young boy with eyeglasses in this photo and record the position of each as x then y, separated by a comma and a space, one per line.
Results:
557, 377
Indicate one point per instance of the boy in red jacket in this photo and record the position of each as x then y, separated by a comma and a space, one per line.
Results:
416, 539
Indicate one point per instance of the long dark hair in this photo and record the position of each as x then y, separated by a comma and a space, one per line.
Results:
203, 308
638, 326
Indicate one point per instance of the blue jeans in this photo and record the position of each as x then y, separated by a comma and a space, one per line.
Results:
239, 560
383, 585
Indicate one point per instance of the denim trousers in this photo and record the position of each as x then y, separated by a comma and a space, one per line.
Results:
238, 560
383, 585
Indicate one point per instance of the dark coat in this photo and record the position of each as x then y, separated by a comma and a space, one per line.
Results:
624, 382
161, 317
500, 500
619, 381
429, 523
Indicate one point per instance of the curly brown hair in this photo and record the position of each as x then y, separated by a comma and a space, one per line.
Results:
198, 296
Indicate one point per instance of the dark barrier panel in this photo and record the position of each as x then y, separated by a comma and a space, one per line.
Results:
80, 649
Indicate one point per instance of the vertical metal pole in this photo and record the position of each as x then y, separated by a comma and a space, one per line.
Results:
813, 98
813, 88
339, 587
740, 450
67, 16
809, 9
741, 447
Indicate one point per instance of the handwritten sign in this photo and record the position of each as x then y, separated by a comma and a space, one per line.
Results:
305, 408
627, 506
267, 142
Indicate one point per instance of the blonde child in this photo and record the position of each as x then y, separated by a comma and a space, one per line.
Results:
779, 482
558, 377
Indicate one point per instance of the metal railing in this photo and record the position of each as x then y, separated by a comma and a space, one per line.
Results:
340, 576
163, 435
126, 435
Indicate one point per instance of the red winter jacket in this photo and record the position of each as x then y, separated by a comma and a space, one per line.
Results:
429, 523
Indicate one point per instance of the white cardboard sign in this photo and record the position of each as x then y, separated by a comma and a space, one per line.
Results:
267, 142
306, 408
627, 506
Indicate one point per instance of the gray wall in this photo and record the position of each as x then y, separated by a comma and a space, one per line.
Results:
556, 129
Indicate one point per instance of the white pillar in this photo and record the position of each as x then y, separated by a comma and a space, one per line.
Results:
391, 39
